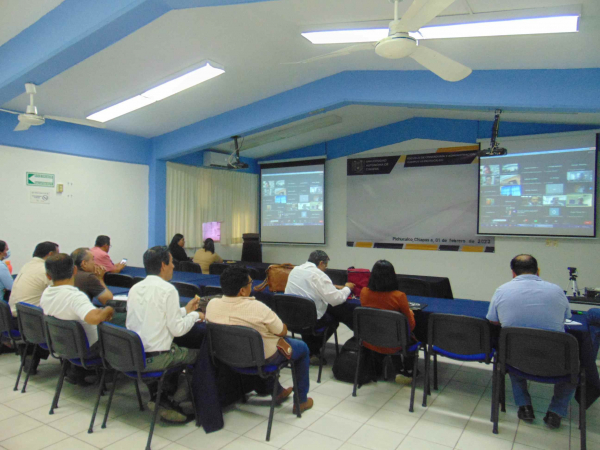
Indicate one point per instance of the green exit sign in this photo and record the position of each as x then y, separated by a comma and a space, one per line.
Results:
39, 179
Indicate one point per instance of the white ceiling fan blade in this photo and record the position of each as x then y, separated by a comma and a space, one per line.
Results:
22, 126
441, 65
342, 52
9, 111
421, 12
86, 122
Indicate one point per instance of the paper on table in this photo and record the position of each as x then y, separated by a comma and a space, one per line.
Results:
120, 297
572, 322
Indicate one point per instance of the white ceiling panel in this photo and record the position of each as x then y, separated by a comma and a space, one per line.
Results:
16, 15
252, 40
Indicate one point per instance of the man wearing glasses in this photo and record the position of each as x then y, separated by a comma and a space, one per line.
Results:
101, 258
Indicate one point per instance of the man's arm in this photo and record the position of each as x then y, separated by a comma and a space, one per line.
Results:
5, 277
97, 315
283, 332
105, 296
328, 292
177, 324
492, 314
116, 268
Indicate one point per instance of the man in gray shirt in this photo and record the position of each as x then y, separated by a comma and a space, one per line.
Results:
528, 301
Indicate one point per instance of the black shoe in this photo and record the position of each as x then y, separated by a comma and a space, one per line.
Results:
552, 420
526, 413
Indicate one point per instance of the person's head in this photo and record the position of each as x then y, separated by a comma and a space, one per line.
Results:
83, 259
488, 180
178, 240
4, 250
383, 277
209, 245
236, 281
103, 242
524, 265
59, 267
159, 261
320, 259
45, 249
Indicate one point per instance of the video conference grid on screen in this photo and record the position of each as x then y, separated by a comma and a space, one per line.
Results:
543, 193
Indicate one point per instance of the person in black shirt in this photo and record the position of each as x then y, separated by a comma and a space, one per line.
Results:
176, 248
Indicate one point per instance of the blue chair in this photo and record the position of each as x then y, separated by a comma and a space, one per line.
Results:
32, 329
300, 316
387, 329
460, 338
68, 342
544, 357
241, 348
122, 350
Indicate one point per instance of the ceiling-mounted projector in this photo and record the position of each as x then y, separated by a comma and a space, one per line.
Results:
495, 149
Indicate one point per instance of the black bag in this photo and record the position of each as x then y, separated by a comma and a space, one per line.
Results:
344, 367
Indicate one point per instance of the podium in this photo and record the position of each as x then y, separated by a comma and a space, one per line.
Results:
251, 249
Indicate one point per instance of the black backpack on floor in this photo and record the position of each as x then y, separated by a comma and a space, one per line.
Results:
344, 367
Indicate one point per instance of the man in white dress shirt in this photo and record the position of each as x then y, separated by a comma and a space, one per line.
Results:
153, 312
309, 280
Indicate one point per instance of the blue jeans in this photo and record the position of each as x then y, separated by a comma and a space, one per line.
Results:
300, 356
563, 393
593, 319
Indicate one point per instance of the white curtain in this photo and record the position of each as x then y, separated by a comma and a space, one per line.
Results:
196, 195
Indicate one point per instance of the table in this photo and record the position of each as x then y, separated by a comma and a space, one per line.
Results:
186, 277
260, 269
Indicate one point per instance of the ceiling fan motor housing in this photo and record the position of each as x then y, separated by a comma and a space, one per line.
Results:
399, 45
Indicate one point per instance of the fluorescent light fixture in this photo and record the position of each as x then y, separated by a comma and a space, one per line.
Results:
172, 87
540, 25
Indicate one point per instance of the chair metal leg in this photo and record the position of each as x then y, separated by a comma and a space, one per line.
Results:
63, 369
435, 372
322, 355
582, 408
23, 356
502, 388
100, 391
139, 396
156, 408
110, 397
494, 387
241, 383
357, 369
414, 383
426, 382
296, 393
35, 348
496, 399
337, 349
188, 379
272, 411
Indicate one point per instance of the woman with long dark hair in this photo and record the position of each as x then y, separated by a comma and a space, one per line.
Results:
206, 255
382, 293
176, 248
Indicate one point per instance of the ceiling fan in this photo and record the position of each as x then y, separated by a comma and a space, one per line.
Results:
31, 118
399, 44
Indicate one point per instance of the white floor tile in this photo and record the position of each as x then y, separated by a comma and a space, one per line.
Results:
309, 417
377, 399
324, 402
541, 438
35, 439
354, 411
16, 425
71, 444
76, 423
244, 443
30, 402
138, 440
199, 440
240, 422
114, 431
6, 412
412, 443
313, 441
436, 432
336, 427
470, 440
464, 389
65, 409
332, 388
7, 394
281, 433
392, 421
376, 438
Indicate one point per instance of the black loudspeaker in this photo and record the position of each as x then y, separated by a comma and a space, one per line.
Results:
251, 249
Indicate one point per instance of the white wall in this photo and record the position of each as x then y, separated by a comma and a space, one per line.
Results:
100, 197
472, 275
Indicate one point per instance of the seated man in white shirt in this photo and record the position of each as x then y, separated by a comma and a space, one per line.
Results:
309, 280
153, 312
64, 301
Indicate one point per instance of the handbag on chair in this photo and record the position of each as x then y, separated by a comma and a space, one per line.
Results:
277, 277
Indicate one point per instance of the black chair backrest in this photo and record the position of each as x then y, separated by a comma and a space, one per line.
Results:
189, 266
136, 280
540, 352
176, 265
298, 313
119, 280
121, 348
382, 328
236, 346
186, 289
66, 338
5, 317
31, 323
337, 276
212, 290
217, 268
413, 286
460, 334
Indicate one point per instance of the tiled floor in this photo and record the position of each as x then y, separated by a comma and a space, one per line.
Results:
378, 418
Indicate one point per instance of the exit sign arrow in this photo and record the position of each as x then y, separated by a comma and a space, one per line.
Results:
40, 179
